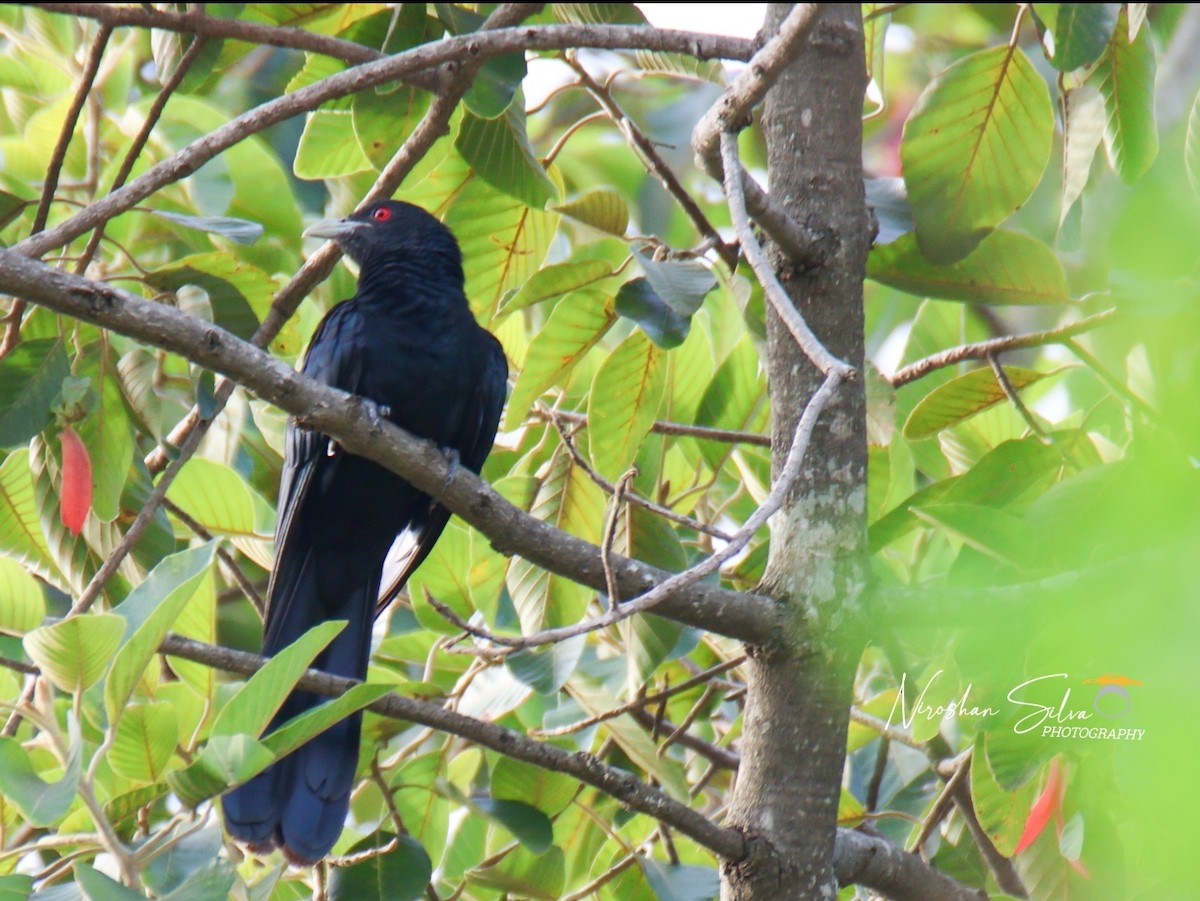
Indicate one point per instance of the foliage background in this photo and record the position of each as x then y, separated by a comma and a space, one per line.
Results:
1049, 178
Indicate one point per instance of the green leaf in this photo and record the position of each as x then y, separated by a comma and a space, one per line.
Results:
106, 430
554, 281
1083, 109
602, 210
148, 612
1192, 147
215, 496
1005, 268
99, 887
526, 875
1125, 78
1082, 32
302, 729
637, 300
16, 888
239, 231
732, 398
963, 397
503, 243
75, 653
31, 377
22, 603
224, 761
998, 534
500, 153
400, 874
974, 148
328, 147
680, 881
529, 826
240, 293
516, 780
546, 670
1001, 813
599, 13
41, 803
145, 740
623, 402
577, 323
682, 284
253, 705
383, 119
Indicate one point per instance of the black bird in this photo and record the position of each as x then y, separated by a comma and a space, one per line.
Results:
407, 341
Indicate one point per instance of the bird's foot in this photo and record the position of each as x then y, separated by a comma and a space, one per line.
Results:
452, 462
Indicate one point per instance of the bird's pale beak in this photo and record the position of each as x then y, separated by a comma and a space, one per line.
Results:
334, 228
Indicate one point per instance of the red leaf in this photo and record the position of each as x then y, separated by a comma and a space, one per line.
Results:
1049, 801
76, 489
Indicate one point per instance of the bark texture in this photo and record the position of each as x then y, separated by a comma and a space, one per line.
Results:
798, 703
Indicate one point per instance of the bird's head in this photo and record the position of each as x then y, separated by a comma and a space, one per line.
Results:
391, 229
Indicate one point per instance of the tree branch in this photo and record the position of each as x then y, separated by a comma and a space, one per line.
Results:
732, 113
361, 431
876, 863
402, 66
981, 350
632, 792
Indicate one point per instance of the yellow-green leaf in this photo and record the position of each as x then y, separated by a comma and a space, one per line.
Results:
74, 653
623, 402
962, 397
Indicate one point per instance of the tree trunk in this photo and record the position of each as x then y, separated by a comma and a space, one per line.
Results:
797, 708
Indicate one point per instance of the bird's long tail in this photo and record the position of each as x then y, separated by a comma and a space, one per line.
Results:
300, 803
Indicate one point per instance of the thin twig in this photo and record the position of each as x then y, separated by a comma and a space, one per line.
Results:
139, 142
776, 296
662, 427
689, 577
701, 678
653, 161
944, 803
476, 46
981, 349
610, 534
225, 557
1010, 391
686, 723
556, 417
603, 879
805, 246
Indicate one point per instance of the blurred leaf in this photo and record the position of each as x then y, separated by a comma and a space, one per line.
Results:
993, 532
683, 284
382, 120
398, 875
1001, 813
328, 147
99, 887
623, 402
680, 64
240, 293
526, 874
602, 210
516, 780
732, 398
1192, 147
680, 882
22, 603
499, 152
1006, 268
554, 281
11, 207
239, 231
75, 652
1083, 108
974, 148
529, 826
145, 740
963, 397
889, 199
41, 803
577, 323
546, 670
637, 300
1082, 32
253, 705
31, 377
1125, 78
105, 430
215, 496
599, 13
147, 614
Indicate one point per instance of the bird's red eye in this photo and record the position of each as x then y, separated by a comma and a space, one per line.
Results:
383, 214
